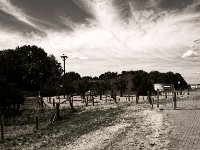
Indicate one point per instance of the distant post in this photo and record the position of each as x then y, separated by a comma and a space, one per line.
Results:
86, 101
165, 94
92, 98
174, 100
149, 99
137, 97
157, 98
129, 96
2, 125
57, 110
36, 122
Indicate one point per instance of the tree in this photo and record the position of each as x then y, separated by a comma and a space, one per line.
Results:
72, 76
52, 86
157, 77
82, 86
121, 85
142, 82
70, 86
183, 84
30, 67
107, 87
87, 77
100, 87
108, 75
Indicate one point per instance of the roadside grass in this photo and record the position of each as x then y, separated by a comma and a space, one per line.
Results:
20, 132
28, 117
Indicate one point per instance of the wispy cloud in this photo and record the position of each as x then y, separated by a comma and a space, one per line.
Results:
149, 39
147, 32
7, 7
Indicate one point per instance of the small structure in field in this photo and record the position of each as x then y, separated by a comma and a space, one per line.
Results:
163, 87
195, 86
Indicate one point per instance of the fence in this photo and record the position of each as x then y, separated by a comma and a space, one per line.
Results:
179, 99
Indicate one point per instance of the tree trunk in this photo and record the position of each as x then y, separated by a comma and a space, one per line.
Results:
137, 97
92, 99
86, 101
50, 100
83, 96
71, 103
100, 96
18, 107
121, 93
115, 97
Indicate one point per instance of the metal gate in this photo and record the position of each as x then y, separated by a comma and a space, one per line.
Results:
180, 99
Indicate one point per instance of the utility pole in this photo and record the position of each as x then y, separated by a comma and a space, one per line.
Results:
64, 57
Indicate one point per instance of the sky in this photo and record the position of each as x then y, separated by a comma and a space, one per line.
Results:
108, 35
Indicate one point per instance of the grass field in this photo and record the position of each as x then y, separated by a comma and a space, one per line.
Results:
109, 126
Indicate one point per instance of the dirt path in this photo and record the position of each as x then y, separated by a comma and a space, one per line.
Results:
137, 128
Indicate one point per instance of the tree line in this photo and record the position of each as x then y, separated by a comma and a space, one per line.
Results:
30, 68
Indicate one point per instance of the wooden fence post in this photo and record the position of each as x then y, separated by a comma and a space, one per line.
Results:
2, 125
165, 94
92, 99
58, 110
36, 122
86, 101
174, 100
157, 98
150, 100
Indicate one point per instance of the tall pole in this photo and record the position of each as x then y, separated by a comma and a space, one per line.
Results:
178, 87
64, 57
64, 75
178, 84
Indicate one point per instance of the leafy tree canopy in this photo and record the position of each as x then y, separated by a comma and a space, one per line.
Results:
108, 75
30, 67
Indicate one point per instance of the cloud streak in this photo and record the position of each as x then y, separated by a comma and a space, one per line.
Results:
7, 7
149, 39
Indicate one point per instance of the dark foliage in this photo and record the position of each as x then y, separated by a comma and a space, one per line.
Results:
121, 85
108, 75
11, 97
31, 69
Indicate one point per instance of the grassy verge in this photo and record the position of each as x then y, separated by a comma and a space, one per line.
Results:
20, 132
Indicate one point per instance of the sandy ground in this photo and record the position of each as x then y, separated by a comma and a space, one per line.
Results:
122, 126
137, 128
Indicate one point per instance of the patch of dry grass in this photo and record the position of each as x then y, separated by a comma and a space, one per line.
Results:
110, 126
23, 135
